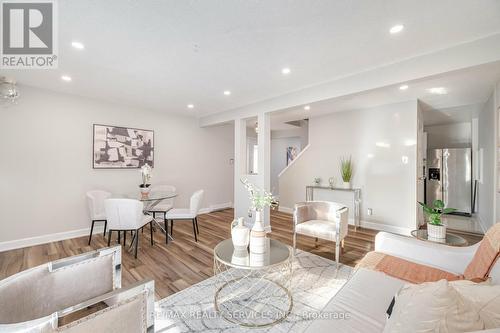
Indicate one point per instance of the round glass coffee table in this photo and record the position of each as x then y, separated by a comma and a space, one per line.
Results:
252, 290
451, 239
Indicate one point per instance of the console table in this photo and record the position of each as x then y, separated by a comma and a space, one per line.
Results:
356, 198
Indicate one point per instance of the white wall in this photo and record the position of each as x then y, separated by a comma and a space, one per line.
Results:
47, 161
456, 135
487, 142
388, 185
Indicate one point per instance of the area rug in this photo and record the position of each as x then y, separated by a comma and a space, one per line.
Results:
315, 281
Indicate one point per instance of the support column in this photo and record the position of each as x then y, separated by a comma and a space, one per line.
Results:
241, 202
264, 141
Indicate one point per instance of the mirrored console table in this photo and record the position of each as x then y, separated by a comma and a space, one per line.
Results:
356, 198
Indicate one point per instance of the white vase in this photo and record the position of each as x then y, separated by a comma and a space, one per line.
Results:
258, 235
436, 231
346, 185
240, 234
240, 257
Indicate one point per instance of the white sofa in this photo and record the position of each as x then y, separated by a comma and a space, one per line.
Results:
367, 294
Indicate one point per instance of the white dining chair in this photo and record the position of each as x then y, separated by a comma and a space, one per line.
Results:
190, 213
165, 205
95, 202
127, 215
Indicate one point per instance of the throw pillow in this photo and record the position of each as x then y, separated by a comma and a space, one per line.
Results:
432, 307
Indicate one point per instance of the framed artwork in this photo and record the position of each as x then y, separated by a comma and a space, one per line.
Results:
291, 154
122, 148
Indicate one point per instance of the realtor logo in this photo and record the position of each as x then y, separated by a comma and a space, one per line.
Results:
29, 38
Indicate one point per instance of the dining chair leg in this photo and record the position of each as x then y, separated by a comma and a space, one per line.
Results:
91, 230
197, 228
166, 231
171, 227
125, 238
109, 237
194, 231
105, 227
119, 236
136, 242
151, 228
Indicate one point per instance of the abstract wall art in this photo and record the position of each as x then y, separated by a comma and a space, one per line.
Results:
122, 148
291, 154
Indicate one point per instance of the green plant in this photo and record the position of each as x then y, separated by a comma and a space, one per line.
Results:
346, 169
435, 211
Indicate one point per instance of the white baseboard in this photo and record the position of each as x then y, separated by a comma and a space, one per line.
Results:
216, 207
287, 210
384, 227
37, 240
31, 241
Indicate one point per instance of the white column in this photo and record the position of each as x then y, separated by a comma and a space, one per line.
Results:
241, 202
264, 139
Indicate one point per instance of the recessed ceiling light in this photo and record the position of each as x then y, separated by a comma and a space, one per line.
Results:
403, 87
307, 107
78, 45
285, 71
438, 90
396, 29
190, 106
227, 92
66, 78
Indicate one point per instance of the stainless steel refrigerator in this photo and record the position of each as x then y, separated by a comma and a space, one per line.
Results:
449, 178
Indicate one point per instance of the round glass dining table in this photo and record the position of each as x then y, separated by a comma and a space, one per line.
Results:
150, 202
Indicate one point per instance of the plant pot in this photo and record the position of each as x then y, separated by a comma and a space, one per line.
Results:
436, 231
346, 185
240, 235
144, 191
258, 235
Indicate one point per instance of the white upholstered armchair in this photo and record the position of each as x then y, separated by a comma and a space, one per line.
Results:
77, 294
321, 219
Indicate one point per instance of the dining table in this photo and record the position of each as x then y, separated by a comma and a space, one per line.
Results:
152, 200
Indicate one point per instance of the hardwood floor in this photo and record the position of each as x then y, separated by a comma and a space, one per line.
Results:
183, 262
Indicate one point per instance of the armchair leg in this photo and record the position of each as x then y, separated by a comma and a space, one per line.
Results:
91, 230
109, 237
125, 238
197, 228
105, 227
337, 253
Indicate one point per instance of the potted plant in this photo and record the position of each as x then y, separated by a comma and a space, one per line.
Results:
435, 227
346, 171
259, 199
146, 177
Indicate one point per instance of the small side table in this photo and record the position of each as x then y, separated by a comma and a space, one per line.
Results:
451, 239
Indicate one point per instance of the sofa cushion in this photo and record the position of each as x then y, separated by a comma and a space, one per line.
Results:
432, 307
365, 306
485, 297
404, 269
486, 255
317, 228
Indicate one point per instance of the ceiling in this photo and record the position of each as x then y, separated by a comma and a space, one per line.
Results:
466, 91
163, 55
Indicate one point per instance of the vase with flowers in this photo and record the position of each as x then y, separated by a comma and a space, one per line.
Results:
146, 172
259, 199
